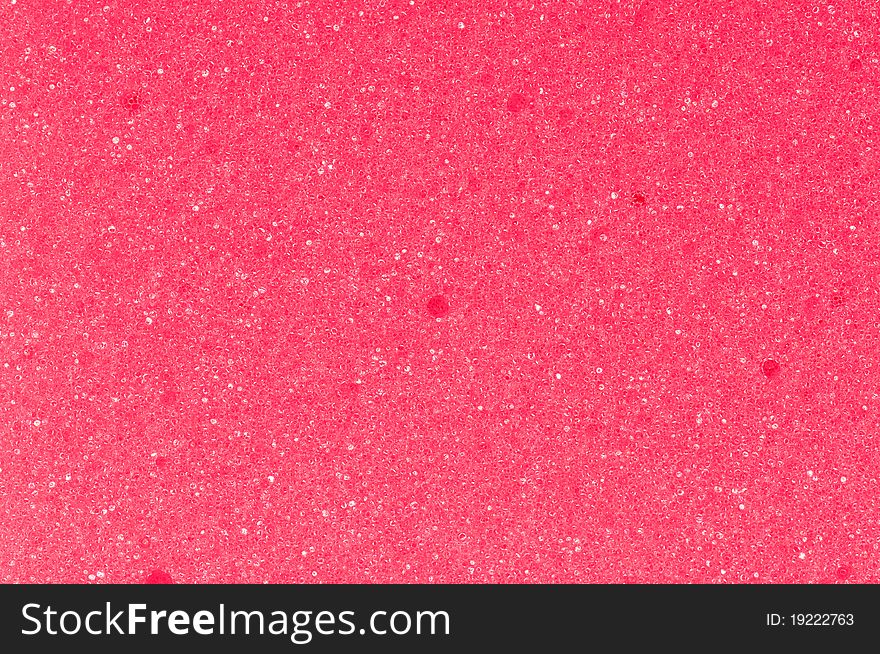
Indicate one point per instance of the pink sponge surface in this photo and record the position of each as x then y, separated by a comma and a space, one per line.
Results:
416, 291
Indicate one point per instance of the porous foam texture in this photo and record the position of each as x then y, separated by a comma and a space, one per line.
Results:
417, 291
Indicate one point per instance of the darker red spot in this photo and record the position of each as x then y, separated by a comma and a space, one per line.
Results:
132, 101
855, 65
517, 102
770, 368
638, 199
438, 306
161, 461
348, 389
842, 572
168, 398
159, 577
566, 116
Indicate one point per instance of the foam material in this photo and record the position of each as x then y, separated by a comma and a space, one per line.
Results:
415, 291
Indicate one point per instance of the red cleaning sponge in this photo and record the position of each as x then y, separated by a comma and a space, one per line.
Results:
416, 291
